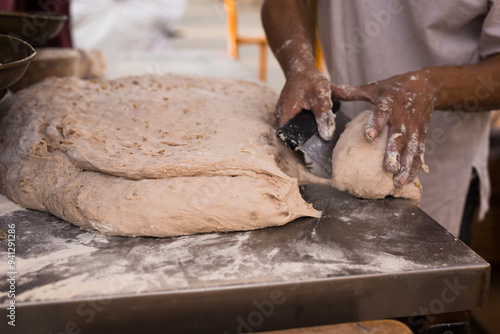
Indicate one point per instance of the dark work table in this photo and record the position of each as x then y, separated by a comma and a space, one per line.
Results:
362, 260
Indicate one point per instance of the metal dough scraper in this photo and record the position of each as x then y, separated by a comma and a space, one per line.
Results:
301, 133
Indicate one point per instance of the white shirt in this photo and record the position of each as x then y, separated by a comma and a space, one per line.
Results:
369, 40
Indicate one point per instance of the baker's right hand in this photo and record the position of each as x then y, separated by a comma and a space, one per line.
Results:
308, 90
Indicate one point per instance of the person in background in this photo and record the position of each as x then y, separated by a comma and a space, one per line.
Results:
429, 69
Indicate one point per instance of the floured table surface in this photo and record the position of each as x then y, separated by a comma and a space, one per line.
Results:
362, 260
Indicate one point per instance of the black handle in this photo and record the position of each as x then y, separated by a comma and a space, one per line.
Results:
301, 127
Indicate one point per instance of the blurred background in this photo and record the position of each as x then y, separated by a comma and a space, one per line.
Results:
188, 31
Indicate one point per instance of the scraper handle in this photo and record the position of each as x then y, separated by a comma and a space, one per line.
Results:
301, 127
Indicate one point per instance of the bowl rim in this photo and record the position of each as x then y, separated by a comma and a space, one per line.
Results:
34, 15
20, 61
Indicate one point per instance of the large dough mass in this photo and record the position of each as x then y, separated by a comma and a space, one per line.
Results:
151, 156
357, 165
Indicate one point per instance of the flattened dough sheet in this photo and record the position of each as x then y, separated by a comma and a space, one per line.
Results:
150, 156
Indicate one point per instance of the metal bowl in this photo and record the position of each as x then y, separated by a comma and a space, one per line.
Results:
34, 28
15, 56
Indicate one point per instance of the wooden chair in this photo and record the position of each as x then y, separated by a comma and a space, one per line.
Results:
318, 52
234, 39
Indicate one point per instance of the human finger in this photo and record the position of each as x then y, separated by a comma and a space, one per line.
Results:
409, 157
396, 137
419, 163
378, 118
321, 106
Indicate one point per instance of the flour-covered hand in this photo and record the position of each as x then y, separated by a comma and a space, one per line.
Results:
405, 103
308, 90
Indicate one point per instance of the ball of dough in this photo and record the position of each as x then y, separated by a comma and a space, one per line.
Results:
358, 165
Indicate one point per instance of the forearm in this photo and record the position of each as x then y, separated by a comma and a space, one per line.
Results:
406, 101
466, 88
290, 33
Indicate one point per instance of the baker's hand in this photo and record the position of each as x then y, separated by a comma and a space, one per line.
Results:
308, 90
404, 102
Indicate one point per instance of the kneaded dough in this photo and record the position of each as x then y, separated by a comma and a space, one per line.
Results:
358, 165
150, 156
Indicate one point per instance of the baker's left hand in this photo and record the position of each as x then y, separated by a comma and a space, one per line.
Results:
405, 103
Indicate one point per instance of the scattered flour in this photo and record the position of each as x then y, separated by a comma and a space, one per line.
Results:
7, 206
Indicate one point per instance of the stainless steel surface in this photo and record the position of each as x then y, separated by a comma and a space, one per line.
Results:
362, 260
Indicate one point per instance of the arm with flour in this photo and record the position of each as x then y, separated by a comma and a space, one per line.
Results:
290, 32
405, 102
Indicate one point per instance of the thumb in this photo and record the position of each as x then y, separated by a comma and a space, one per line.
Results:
325, 119
326, 124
